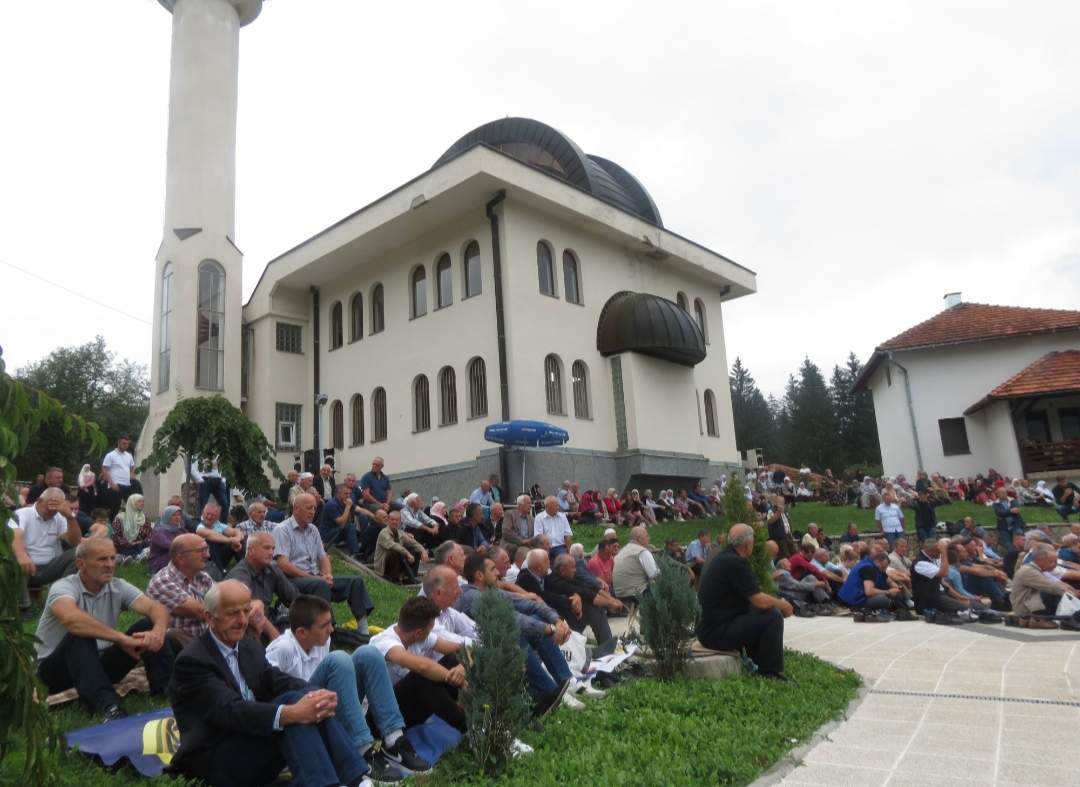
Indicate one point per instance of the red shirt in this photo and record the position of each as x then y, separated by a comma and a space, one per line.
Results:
800, 567
601, 568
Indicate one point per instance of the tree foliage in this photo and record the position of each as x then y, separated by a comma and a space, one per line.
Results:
210, 426
87, 380
737, 510
24, 411
496, 705
669, 616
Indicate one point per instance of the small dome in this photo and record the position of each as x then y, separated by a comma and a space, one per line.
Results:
541, 146
651, 325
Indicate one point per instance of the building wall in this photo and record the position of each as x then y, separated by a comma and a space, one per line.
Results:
945, 382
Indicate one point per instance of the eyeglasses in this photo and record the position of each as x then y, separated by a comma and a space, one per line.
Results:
204, 548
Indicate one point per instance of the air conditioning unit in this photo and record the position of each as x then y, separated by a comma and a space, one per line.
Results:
286, 434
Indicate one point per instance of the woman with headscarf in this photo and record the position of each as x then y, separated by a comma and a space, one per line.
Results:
87, 490
438, 513
131, 530
1043, 495
168, 527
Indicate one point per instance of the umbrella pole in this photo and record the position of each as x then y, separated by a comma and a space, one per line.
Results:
524, 491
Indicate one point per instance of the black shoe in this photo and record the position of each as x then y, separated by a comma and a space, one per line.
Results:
112, 713
904, 614
405, 756
804, 612
947, 620
777, 676
380, 769
551, 700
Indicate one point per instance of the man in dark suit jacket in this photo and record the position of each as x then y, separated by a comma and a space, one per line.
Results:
575, 602
241, 720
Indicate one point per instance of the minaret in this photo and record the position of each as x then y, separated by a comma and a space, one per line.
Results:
197, 281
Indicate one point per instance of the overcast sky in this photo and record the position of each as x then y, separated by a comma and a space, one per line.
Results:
862, 158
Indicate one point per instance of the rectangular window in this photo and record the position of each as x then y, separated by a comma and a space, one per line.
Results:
1070, 423
1038, 426
290, 338
287, 431
954, 439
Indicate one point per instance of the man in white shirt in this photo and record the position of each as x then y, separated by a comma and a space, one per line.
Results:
121, 465
44, 535
890, 518
422, 665
304, 652
441, 586
552, 522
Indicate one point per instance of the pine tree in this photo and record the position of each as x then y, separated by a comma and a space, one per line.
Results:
813, 423
754, 426
669, 615
864, 447
737, 510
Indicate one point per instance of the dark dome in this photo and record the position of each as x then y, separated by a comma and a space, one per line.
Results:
546, 148
651, 325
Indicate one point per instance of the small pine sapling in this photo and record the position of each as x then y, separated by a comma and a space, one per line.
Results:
669, 615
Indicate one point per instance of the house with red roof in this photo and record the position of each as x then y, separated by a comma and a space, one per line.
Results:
979, 386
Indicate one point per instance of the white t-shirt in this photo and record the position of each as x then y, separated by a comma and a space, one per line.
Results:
457, 627
40, 536
120, 464
286, 654
389, 640
556, 528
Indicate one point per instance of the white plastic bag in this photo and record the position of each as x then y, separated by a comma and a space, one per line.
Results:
1068, 605
573, 651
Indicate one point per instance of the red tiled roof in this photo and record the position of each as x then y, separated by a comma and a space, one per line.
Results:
1055, 373
967, 322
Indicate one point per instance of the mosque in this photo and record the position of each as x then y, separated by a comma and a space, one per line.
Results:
517, 278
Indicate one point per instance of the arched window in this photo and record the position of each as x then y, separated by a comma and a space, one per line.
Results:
471, 273
710, 414
356, 406
447, 396
477, 388
553, 385
571, 282
165, 338
378, 414
444, 283
418, 288
337, 424
421, 404
210, 331
684, 304
702, 318
545, 269
579, 376
337, 331
378, 317
356, 317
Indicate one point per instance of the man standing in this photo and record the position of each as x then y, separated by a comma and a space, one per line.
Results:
337, 523
634, 567
299, 552
44, 534
890, 518
375, 487
552, 522
241, 720
1009, 519
261, 575
79, 644
925, 517
780, 527
120, 465
735, 613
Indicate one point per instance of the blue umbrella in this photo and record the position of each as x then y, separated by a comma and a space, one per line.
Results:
525, 434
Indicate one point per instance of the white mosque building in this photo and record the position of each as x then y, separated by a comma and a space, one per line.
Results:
518, 278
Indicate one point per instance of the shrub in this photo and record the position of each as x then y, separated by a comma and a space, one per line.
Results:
737, 510
669, 614
496, 705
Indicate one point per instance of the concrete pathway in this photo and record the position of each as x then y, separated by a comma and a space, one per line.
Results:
947, 705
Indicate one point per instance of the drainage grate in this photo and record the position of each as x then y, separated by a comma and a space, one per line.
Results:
983, 697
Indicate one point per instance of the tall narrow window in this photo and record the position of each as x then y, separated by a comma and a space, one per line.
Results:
418, 287
447, 396
356, 406
553, 385
421, 404
471, 273
337, 424
681, 299
287, 420
210, 338
579, 374
337, 331
478, 407
356, 317
545, 269
378, 414
378, 312
571, 281
702, 318
444, 282
710, 414
165, 338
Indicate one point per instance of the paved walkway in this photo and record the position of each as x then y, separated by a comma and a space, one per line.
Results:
934, 713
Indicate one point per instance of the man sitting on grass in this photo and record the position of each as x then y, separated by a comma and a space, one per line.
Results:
397, 554
79, 644
268, 585
735, 613
225, 542
425, 672
44, 534
304, 652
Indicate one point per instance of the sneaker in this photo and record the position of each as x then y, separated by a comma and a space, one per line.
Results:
403, 753
112, 713
549, 701
572, 702
803, 611
584, 687
947, 620
904, 614
885, 617
380, 769
519, 748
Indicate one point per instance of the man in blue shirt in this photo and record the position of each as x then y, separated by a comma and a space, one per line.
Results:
375, 487
697, 552
337, 523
